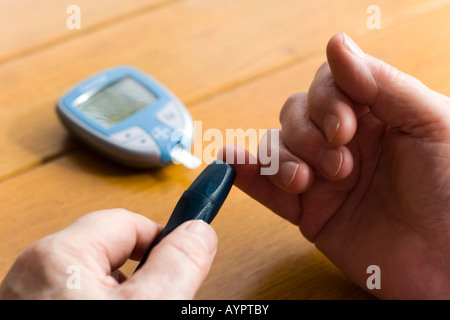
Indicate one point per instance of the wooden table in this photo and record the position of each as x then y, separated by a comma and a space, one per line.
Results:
233, 63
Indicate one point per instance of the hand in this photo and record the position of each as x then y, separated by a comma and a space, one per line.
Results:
97, 244
365, 173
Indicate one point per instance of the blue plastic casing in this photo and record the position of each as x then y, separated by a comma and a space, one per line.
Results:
145, 138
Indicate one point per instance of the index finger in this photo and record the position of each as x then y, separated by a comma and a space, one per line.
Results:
110, 237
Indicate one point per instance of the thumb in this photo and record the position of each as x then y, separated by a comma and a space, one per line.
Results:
177, 266
394, 97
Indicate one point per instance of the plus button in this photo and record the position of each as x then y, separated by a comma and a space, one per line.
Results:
161, 133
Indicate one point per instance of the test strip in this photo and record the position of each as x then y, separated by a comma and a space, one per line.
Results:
182, 156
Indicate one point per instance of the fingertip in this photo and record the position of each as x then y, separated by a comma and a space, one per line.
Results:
349, 67
288, 172
336, 163
331, 126
178, 265
293, 177
195, 243
334, 43
335, 50
345, 60
236, 155
204, 233
343, 123
340, 42
260, 187
339, 125
301, 178
243, 162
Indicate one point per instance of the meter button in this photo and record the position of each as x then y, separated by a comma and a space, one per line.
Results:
170, 116
128, 134
161, 133
144, 142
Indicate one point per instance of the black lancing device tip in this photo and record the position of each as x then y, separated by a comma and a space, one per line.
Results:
201, 201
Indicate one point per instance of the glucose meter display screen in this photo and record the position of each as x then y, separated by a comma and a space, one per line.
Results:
115, 102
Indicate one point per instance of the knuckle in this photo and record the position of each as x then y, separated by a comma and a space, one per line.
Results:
105, 213
290, 104
40, 250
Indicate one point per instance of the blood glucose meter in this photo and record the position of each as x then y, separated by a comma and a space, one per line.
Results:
129, 117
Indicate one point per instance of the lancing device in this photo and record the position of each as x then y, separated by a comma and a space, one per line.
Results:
201, 201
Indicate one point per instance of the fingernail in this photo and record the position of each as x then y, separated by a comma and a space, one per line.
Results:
330, 127
202, 231
353, 47
287, 172
331, 162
